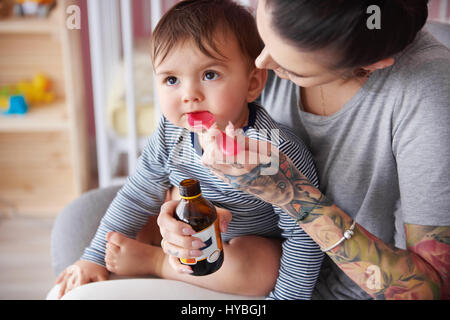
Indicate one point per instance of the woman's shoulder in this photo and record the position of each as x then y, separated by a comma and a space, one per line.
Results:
418, 89
418, 81
426, 61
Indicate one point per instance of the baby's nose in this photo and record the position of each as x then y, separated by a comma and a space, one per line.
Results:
190, 98
192, 94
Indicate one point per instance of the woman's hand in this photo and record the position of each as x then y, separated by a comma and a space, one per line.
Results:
178, 241
81, 272
259, 168
264, 171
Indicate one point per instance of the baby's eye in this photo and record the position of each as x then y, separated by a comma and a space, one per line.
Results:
171, 81
210, 75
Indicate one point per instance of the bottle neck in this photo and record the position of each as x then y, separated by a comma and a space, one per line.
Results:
190, 198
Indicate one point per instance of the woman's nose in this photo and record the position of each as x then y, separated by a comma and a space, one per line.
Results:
264, 60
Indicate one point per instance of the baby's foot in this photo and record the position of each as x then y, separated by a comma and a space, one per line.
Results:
129, 257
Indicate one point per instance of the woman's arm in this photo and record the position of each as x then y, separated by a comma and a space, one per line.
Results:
383, 271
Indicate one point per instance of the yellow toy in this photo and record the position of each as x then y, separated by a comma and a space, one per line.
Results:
35, 92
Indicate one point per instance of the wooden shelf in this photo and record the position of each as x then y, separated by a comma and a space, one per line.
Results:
43, 118
37, 177
44, 160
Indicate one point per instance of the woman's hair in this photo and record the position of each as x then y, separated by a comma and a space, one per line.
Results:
340, 27
200, 20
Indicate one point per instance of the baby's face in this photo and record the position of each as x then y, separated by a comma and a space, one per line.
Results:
189, 81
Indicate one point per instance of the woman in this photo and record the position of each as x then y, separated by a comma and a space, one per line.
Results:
373, 104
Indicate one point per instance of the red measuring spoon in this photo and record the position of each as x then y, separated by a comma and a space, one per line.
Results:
204, 120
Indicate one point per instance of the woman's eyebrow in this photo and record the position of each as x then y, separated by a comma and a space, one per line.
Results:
295, 74
292, 72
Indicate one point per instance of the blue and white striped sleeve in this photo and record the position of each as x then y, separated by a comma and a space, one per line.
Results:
301, 257
141, 196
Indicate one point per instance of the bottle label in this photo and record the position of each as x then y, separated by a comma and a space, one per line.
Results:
213, 245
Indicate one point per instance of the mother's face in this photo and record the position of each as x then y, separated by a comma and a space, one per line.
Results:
306, 69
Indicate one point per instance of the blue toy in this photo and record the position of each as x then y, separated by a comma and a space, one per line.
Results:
17, 105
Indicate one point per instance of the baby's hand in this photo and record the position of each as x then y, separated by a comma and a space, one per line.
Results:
81, 272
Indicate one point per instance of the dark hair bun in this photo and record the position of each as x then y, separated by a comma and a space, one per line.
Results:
342, 27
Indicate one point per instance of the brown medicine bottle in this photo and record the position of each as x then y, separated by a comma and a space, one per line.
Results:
201, 215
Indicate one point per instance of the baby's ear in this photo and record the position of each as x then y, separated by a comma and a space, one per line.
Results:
256, 83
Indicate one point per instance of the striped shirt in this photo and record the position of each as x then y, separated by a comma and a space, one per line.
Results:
172, 155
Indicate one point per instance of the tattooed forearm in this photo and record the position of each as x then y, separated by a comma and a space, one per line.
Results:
307, 201
383, 271
432, 244
386, 272
275, 189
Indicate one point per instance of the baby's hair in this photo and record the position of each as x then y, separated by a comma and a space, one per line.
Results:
200, 20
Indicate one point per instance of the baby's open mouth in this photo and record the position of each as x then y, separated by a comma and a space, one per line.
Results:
204, 120
201, 120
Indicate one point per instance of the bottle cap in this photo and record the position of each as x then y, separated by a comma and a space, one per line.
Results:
190, 188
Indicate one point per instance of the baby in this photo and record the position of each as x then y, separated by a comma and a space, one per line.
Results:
203, 54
